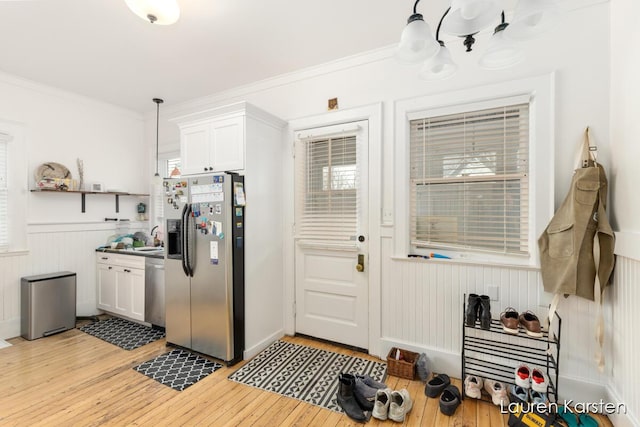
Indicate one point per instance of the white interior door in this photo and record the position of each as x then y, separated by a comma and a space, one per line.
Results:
331, 233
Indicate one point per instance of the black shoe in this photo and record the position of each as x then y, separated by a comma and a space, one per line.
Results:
485, 312
473, 310
435, 386
346, 398
450, 400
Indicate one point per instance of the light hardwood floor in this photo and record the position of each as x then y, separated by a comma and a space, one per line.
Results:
74, 379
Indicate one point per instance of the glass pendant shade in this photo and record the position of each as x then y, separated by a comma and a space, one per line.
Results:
470, 16
501, 53
439, 67
532, 17
160, 12
416, 42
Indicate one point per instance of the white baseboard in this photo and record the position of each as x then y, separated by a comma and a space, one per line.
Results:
10, 328
625, 418
254, 350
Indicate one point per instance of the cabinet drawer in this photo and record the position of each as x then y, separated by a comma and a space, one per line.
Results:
131, 261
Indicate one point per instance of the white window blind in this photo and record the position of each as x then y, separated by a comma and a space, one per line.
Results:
469, 177
327, 181
172, 164
4, 197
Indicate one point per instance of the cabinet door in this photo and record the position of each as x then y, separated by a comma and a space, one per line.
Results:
106, 287
130, 292
227, 144
195, 144
137, 294
123, 291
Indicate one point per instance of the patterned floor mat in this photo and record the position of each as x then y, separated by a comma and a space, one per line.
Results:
304, 373
178, 369
123, 333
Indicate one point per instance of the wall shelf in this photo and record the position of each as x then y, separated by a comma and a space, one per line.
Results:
83, 193
494, 353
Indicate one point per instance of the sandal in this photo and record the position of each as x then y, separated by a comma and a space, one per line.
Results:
568, 416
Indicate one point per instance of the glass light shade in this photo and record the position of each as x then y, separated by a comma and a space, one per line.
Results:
501, 53
532, 17
439, 67
416, 42
160, 12
470, 16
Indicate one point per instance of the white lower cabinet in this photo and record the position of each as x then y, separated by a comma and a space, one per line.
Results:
121, 284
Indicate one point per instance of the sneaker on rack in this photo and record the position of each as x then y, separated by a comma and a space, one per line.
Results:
497, 391
539, 380
509, 320
473, 386
538, 398
518, 394
523, 375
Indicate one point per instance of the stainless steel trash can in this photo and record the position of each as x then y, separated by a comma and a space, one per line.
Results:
48, 304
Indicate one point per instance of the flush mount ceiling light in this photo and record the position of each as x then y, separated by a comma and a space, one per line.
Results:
465, 18
161, 12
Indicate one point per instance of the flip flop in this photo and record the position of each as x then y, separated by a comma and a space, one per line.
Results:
587, 420
568, 416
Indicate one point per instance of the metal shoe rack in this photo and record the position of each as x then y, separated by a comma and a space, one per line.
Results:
495, 354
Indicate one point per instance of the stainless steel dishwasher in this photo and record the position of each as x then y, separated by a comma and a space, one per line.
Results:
154, 291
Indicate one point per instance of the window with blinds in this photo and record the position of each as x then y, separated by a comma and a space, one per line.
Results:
4, 198
327, 188
469, 177
172, 164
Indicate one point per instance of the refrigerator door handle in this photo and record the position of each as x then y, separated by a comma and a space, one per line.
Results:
183, 234
190, 241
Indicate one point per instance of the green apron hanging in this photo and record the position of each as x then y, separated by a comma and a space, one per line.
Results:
577, 247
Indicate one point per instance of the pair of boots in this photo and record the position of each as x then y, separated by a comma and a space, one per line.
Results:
478, 308
355, 395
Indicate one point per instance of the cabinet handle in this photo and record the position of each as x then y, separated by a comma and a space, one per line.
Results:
206, 169
104, 257
127, 271
110, 267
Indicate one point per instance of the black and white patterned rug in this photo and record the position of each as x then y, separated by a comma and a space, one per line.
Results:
123, 333
304, 373
178, 369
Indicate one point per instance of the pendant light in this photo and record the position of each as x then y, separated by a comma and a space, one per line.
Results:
158, 101
533, 17
416, 41
160, 12
157, 179
501, 52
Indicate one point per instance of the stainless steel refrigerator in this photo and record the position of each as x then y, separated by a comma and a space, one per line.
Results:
204, 264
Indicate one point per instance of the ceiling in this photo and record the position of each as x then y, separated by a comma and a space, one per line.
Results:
100, 49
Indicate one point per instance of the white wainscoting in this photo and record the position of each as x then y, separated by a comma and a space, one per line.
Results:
52, 248
625, 377
422, 309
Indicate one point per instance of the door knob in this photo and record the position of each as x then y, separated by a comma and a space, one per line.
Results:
360, 264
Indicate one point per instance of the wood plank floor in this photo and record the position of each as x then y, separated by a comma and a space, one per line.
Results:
75, 379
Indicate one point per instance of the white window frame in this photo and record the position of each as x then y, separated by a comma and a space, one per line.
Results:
540, 92
17, 187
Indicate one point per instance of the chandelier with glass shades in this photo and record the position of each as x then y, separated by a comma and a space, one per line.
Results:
465, 18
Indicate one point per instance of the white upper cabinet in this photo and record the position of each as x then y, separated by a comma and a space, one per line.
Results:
218, 140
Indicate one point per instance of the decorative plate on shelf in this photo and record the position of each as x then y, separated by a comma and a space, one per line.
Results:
52, 170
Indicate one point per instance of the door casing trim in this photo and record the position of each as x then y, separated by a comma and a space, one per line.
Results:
372, 113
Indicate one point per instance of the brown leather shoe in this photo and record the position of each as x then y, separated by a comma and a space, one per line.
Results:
509, 319
531, 324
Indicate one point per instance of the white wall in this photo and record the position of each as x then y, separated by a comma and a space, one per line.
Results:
61, 127
625, 205
578, 52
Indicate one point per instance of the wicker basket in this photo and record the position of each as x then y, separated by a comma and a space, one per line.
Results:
404, 368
